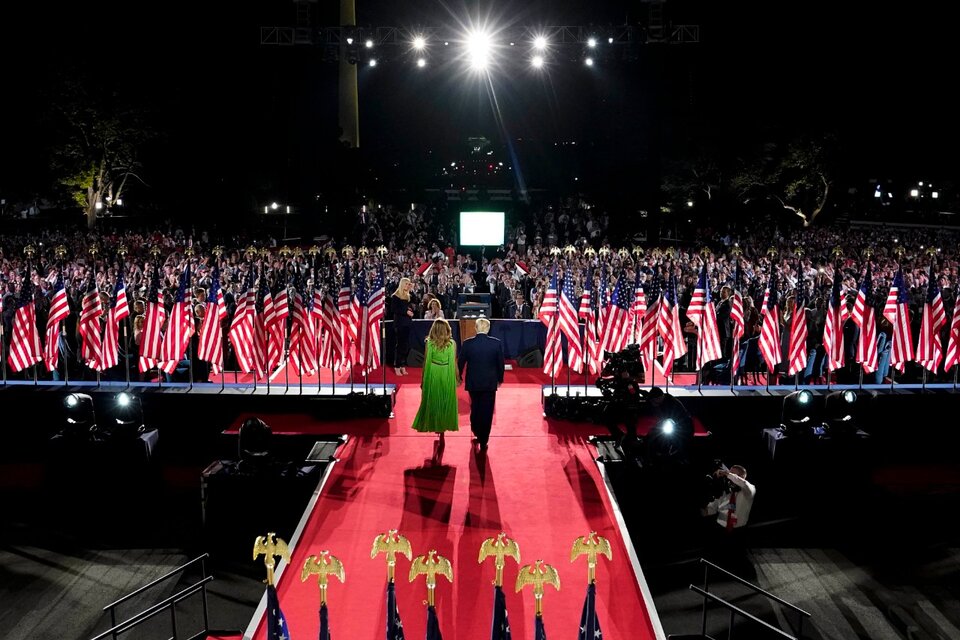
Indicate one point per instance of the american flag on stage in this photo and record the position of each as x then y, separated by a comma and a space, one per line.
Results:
797, 346
118, 312
276, 323
25, 347
770, 330
737, 324
638, 309
303, 343
59, 311
180, 327
953, 343
91, 349
867, 354
376, 311
897, 311
929, 345
347, 319
262, 313
331, 348
589, 624
589, 315
616, 323
837, 314
324, 622
702, 313
394, 625
433, 624
553, 354
211, 331
668, 326
241, 334
568, 323
539, 631
360, 298
276, 622
151, 340
648, 330
500, 629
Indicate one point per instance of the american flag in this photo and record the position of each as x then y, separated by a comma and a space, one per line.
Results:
837, 314
331, 348
860, 302
500, 628
361, 297
770, 330
91, 350
276, 621
262, 314
345, 309
797, 347
668, 326
648, 333
376, 310
433, 624
897, 311
568, 323
616, 323
276, 323
118, 312
25, 347
241, 334
702, 313
867, 354
180, 326
589, 624
59, 311
548, 307
324, 622
151, 340
553, 355
394, 625
589, 316
737, 324
211, 331
929, 346
539, 631
638, 309
303, 343
953, 343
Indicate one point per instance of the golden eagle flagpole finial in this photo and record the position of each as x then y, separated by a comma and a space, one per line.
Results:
591, 546
323, 566
270, 546
390, 544
538, 574
499, 547
430, 565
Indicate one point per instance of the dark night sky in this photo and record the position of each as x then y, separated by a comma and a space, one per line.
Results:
246, 119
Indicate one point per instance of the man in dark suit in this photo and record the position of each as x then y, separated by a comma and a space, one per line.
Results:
483, 358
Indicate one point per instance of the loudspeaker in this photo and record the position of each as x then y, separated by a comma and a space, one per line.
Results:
415, 358
530, 359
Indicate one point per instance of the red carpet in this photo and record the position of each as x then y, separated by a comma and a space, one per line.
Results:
538, 482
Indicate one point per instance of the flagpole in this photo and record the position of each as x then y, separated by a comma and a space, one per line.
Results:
383, 352
190, 360
893, 376
955, 370
223, 374
924, 387
861, 375
568, 366
553, 367
66, 362
586, 357
300, 357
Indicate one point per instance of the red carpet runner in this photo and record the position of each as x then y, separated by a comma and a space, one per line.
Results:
538, 482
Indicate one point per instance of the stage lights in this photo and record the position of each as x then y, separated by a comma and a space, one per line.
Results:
588, 61
479, 50
840, 413
368, 44
797, 414
668, 426
372, 62
127, 416
80, 417
537, 62
540, 43
592, 43
419, 43
421, 62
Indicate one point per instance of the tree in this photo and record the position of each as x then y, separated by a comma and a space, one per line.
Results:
98, 142
796, 176
687, 179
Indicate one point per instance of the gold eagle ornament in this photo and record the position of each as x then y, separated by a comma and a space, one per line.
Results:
538, 574
323, 566
270, 546
431, 565
591, 545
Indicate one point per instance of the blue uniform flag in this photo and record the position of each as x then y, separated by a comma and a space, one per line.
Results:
501, 626
539, 633
324, 623
276, 623
394, 626
433, 625
589, 625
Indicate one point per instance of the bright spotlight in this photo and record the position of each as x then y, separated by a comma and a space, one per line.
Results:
419, 43
592, 43
805, 397
609, 40
539, 43
123, 399
914, 193
588, 62
690, 203
478, 49
72, 400
935, 194
373, 62
537, 62
369, 44
349, 40
274, 206
421, 62
849, 396
668, 427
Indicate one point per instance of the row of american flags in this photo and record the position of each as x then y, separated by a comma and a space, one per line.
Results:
648, 314
334, 324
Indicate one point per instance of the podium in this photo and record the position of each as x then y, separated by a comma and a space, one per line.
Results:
468, 328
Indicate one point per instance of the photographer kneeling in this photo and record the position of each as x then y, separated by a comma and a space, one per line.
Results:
732, 508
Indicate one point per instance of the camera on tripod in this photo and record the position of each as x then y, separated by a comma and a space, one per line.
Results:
619, 378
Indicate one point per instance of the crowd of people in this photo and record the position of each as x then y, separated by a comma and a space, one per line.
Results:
571, 237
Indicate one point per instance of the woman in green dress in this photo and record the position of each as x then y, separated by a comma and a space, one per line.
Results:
438, 401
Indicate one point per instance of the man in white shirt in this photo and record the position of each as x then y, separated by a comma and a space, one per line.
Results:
733, 507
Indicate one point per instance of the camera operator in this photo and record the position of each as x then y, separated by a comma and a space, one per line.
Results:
732, 507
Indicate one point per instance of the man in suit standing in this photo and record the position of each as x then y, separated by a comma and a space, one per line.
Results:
483, 358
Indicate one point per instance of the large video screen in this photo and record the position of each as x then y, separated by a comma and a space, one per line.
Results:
481, 228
